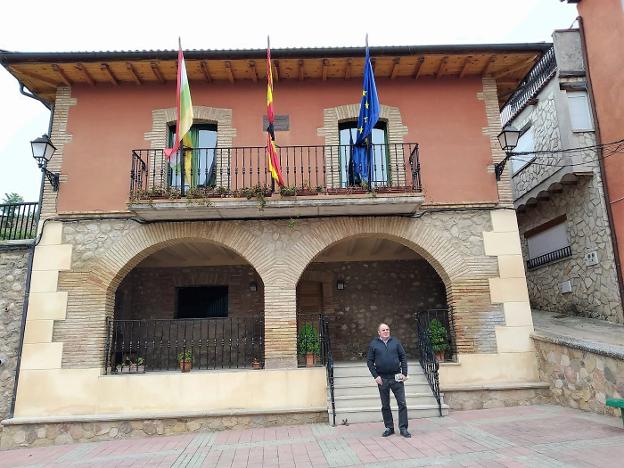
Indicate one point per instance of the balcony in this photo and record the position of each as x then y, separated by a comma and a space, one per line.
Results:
234, 183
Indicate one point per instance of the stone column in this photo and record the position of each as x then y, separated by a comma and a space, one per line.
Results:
280, 327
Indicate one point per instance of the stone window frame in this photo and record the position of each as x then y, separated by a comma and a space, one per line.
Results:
333, 116
163, 118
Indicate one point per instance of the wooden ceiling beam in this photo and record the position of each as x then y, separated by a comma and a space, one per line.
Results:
204, 68
526, 63
105, 67
440, 70
36, 76
348, 66
157, 73
300, 67
395, 68
417, 70
488, 64
62, 74
85, 73
464, 67
324, 69
276, 70
254, 72
228, 70
133, 72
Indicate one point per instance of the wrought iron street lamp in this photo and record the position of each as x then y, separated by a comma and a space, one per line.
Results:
508, 140
42, 151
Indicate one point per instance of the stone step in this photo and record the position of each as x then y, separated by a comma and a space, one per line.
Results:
369, 388
368, 400
368, 380
373, 414
361, 370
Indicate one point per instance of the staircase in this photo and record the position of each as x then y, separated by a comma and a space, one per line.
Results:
357, 398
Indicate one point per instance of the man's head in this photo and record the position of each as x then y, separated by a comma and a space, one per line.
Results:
383, 330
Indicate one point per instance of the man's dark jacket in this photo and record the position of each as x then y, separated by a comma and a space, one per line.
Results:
386, 359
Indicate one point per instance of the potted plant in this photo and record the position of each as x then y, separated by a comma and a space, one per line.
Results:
255, 363
308, 343
438, 337
306, 190
288, 191
185, 360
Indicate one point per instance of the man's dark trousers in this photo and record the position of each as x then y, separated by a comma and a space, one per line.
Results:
398, 388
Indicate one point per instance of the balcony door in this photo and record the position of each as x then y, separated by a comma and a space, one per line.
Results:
195, 166
379, 148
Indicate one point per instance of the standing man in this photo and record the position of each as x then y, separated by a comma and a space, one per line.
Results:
387, 363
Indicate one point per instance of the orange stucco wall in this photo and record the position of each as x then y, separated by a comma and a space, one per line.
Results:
604, 36
443, 116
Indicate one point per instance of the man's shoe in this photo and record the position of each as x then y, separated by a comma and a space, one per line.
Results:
387, 432
405, 433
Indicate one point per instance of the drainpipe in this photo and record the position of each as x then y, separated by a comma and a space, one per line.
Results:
605, 189
30, 263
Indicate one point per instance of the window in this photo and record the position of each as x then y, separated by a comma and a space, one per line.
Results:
548, 242
202, 302
197, 167
580, 116
526, 143
348, 136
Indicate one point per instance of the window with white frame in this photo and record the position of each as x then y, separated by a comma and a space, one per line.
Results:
548, 242
580, 115
526, 144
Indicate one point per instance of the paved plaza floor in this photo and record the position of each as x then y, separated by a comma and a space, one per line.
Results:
530, 436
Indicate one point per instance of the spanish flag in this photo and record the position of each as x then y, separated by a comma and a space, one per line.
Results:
274, 163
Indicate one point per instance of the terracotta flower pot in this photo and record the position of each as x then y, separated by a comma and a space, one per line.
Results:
255, 364
440, 356
309, 359
186, 366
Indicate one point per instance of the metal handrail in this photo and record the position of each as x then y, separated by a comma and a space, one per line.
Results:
329, 362
428, 361
233, 171
18, 221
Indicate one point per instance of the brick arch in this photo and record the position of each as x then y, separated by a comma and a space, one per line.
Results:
129, 251
433, 245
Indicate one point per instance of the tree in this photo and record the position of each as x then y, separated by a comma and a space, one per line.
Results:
12, 198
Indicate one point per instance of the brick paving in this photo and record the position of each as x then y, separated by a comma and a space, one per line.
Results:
530, 436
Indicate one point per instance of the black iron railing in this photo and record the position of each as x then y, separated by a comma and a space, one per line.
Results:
549, 257
445, 318
533, 83
137, 346
326, 353
428, 360
18, 221
307, 170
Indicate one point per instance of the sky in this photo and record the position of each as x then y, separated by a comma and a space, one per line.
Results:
37, 26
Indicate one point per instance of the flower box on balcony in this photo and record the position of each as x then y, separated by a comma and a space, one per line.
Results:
346, 190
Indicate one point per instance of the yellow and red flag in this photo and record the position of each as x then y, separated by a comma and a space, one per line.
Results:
274, 163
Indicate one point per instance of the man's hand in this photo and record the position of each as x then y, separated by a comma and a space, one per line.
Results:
379, 380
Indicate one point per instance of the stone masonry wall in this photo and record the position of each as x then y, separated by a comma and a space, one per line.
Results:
388, 291
594, 288
107, 249
150, 293
13, 269
580, 378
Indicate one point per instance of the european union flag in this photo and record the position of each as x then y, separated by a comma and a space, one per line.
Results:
369, 115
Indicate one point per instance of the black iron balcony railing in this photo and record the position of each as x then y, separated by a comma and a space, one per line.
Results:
309, 170
535, 80
18, 221
137, 346
549, 257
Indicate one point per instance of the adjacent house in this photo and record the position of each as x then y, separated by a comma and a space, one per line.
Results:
145, 263
558, 188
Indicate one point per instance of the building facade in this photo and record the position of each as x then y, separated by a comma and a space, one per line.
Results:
141, 258
558, 189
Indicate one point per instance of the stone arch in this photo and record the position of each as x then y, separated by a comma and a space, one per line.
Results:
162, 118
332, 116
